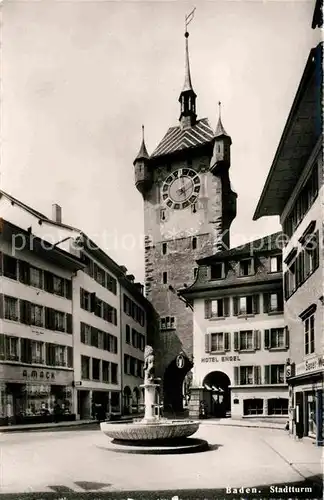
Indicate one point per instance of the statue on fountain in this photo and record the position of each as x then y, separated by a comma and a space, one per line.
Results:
148, 365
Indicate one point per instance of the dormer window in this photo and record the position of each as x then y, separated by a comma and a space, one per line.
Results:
217, 271
246, 267
276, 264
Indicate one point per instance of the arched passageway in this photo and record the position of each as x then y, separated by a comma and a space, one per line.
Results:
217, 394
173, 383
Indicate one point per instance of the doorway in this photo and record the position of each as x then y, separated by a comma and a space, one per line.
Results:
217, 394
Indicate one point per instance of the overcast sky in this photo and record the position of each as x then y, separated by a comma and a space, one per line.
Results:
80, 77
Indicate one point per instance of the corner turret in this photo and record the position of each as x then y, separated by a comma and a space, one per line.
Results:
222, 147
143, 176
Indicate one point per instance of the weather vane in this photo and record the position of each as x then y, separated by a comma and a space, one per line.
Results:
188, 20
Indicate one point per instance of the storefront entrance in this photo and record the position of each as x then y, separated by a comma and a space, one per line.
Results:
217, 394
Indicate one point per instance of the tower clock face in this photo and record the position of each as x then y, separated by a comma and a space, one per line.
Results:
181, 188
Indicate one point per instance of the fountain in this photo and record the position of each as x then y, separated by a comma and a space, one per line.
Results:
153, 434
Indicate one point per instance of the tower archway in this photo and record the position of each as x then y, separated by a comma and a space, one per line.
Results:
217, 394
173, 383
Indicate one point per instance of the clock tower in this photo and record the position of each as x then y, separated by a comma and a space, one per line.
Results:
188, 209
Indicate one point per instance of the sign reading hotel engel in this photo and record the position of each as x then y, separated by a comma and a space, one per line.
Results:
220, 359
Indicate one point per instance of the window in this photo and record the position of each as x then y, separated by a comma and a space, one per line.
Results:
84, 300
10, 267
273, 302
217, 342
168, 323
114, 373
274, 374
105, 371
253, 406
194, 243
217, 271
217, 308
247, 375
277, 338
246, 340
11, 308
132, 366
85, 333
36, 315
94, 337
111, 283
36, 277
37, 352
60, 351
134, 337
278, 406
85, 367
59, 321
99, 275
165, 278
127, 334
309, 332
95, 369
9, 348
276, 264
246, 267
164, 248
246, 305
58, 286
311, 255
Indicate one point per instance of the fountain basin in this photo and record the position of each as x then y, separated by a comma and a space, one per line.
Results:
161, 429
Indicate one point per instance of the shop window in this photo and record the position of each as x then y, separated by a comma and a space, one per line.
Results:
95, 369
114, 373
85, 367
105, 371
11, 308
115, 401
10, 267
253, 406
278, 406
276, 264
36, 315
36, 277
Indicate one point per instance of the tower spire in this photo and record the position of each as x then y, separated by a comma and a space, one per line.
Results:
220, 128
142, 154
187, 97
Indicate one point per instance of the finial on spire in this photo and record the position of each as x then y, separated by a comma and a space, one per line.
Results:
187, 97
220, 128
143, 133
142, 154
220, 109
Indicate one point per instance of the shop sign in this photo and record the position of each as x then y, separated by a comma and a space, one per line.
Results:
180, 361
34, 374
310, 365
217, 359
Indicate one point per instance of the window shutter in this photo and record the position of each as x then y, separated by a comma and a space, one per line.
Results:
2, 346
256, 308
236, 376
25, 313
49, 318
68, 289
256, 375
93, 302
316, 250
267, 374
207, 309
49, 282
287, 337
235, 305
69, 323
1, 305
258, 378
24, 272
266, 302
70, 357
1, 265
256, 339
280, 301
226, 306
82, 333
286, 288
47, 353
207, 342
227, 341
267, 339
236, 341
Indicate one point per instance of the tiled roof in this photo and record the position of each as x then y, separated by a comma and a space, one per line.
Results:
264, 244
177, 139
22, 205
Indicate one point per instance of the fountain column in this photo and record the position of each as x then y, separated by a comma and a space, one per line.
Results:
150, 401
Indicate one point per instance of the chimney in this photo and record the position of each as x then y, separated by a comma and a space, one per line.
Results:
56, 213
130, 277
123, 269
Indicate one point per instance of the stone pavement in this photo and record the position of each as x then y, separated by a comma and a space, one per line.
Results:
67, 461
